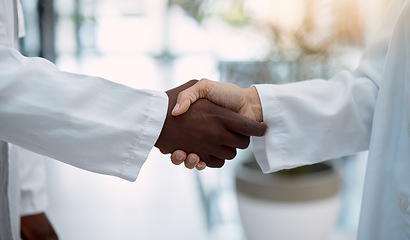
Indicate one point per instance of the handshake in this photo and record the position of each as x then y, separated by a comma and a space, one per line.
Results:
209, 120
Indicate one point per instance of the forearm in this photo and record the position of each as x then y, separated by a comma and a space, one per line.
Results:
84, 121
313, 121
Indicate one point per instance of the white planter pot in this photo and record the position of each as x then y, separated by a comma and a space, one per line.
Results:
276, 206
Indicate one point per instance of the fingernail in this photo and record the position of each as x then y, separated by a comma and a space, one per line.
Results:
179, 156
175, 108
191, 159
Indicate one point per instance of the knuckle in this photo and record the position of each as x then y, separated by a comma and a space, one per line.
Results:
231, 154
204, 80
216, 163
244, 143
183, 95
192, 97
220, 163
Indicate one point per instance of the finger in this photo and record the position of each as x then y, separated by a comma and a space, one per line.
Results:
245, 126
201, 166
214, 162
236, 140
163, 151
191, 161
178, 157
190, 95
223, 152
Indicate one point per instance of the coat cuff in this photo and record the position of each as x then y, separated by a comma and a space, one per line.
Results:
147, 131
275, 136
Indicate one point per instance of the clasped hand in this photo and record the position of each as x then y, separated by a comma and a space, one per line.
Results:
206, 130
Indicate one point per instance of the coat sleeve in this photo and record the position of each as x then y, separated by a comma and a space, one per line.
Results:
317, 120
32, 179
84, 121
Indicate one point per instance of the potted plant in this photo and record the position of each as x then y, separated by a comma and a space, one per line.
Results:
300, 203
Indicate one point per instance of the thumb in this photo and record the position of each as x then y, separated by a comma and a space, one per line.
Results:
190, 95
185, 99
182, 105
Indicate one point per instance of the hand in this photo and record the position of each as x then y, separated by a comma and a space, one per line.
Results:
37, 227
242, 101
210, 131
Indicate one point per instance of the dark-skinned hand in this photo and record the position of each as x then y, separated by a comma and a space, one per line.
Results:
37, 227
210, 131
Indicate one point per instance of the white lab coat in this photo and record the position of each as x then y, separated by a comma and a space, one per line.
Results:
29, 176
84, 121
32, 180
31, 169
368, 108
29, 182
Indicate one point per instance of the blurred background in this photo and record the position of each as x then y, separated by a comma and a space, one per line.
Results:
160, 44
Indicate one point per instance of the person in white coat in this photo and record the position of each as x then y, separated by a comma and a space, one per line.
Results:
317, 120
95, 124
31, 177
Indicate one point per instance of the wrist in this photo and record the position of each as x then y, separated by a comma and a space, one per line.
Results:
254, 103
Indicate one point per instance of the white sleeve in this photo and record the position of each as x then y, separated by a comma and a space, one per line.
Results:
317, 120
33, 195
85, 121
